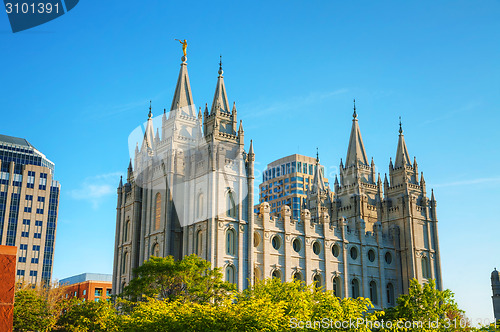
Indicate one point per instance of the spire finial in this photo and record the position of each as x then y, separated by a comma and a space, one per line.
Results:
220, 66
354, 114
317, 155
150, 114
400, 126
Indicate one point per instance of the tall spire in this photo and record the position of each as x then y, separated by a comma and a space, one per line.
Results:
402, 155
183, 96
356, 150
318, 184
149, 134
220, 96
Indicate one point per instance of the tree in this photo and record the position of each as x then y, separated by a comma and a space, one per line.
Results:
81, 316
189, 279
428, 309
36, 308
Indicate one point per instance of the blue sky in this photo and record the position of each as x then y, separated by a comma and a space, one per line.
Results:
77, 86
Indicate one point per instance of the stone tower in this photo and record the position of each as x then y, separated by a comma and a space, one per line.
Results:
188, 191
495, 285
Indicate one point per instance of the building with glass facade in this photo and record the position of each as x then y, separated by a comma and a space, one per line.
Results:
29, 202
286, 182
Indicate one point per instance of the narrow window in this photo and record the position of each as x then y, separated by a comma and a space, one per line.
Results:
230, 206
373, 292
390, 294
157, 212
230, 239
336, 286
355, 288
230, 274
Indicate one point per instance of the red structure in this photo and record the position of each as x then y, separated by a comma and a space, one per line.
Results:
7, 286
87, 286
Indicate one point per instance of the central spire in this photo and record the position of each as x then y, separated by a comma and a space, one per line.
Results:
356, 150
220, 96
183, 98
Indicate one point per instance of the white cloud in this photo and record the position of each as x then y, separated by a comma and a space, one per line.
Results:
468, 182
94, 188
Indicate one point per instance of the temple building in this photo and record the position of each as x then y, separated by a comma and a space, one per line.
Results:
190, 191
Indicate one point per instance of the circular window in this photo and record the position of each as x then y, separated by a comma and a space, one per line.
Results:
354, 252
256, 239
276, 242
296, 245
316, 247
388, 258
336, 250
371, 255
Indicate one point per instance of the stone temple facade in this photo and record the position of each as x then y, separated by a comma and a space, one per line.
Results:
495, 286
190, 190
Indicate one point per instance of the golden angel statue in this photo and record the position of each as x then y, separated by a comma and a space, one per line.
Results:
184, 45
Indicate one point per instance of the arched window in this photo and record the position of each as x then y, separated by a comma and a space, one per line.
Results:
276, 274
230, 242
297, 276
155, 251
317, 280
125, 263
354, 253
355, 288
230, 206
199, 243
124, 284
390, 294
336, 286
157, 211
425, 268
199, 208
230, 274
373, 292
256, 275
126, 231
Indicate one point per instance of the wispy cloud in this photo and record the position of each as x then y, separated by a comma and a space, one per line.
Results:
255, 111
94, 188
471, 106
468, 182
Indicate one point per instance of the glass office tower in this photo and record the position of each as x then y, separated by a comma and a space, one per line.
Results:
286, 182
29, 202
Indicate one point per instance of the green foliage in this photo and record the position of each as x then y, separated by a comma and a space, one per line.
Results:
81, 316
32, 311
189, 279
435, 309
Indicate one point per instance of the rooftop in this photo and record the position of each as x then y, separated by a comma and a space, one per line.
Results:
86, 277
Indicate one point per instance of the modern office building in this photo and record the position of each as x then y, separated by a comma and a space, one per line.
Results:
29, 202
286, 181
190, 191
87, 286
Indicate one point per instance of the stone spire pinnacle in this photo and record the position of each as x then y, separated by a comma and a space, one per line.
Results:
318, 184
402, 155
183, 98
250, 149
356, 150
149, 134
220, 96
